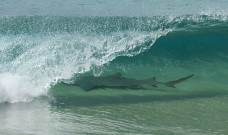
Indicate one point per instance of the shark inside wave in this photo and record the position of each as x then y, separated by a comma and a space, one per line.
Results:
119, 82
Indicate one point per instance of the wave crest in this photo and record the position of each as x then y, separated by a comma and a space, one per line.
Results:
37, 50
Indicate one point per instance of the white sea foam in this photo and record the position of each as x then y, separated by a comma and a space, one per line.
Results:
33, 62
14, 88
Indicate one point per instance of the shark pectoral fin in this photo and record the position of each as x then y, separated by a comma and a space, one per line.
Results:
154, 85
116, 75
87, 87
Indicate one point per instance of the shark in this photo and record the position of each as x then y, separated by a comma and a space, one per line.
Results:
118, 81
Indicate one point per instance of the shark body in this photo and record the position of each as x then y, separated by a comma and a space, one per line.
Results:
118, 81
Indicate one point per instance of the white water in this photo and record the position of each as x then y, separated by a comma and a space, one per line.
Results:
31, 63
15, 88
34, 61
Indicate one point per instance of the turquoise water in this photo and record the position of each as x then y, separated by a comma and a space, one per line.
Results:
45, 45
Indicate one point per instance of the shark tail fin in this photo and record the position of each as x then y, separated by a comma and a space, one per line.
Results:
172, 83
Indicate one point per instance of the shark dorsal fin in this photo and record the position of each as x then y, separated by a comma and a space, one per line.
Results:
116, 75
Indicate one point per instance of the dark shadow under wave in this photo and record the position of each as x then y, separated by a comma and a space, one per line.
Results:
61, 101
69, 95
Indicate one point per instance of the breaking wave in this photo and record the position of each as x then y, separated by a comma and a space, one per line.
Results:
37, 51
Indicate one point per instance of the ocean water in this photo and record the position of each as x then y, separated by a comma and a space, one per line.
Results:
45, 45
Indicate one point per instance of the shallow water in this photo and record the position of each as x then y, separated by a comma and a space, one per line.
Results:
204, 115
